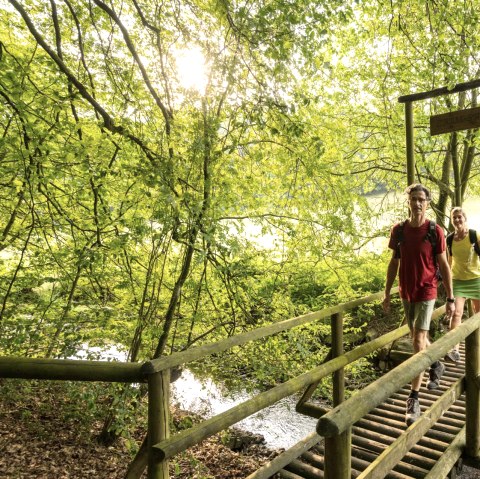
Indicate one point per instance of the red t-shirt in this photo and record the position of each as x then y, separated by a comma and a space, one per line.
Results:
417, 275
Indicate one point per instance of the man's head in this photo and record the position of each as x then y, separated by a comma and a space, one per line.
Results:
418, 187
418, 198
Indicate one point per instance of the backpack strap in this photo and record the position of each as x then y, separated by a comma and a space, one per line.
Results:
472, 236
398, 238
432, 237
449, 243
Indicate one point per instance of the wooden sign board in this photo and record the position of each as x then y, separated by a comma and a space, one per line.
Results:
454, 121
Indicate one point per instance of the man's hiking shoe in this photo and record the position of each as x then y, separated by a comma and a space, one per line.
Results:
413, 411
453, 356
435, 374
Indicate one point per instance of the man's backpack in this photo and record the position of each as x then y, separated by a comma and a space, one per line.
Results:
431, 236
472, 236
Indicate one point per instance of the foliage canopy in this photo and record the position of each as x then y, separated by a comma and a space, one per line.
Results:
137, 210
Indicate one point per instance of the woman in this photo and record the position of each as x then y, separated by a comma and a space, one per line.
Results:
465, 264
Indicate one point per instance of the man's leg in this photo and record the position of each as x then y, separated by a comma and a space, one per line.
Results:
420, 341
418, 316
421, 326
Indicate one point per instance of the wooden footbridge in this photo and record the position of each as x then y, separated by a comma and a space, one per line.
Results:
382, 432
363, 436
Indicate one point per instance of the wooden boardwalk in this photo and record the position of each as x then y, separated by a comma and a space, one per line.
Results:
383, 425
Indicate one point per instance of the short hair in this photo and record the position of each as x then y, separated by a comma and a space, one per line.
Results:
458, 209
418, 187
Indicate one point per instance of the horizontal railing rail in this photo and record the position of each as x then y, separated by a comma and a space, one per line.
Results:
340, 418
71, 370
193, 354
117, 371
194, 435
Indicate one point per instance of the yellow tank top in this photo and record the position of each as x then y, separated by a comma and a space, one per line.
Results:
465, 262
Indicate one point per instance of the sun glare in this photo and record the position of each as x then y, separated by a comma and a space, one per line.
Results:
191, 69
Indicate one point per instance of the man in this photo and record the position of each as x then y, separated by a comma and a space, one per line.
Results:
413, 252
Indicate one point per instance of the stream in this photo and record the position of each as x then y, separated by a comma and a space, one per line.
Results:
279, 424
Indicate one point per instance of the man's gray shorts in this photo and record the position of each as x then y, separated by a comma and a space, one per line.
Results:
419, 315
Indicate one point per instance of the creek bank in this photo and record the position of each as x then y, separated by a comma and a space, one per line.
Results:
43, 437
235, 439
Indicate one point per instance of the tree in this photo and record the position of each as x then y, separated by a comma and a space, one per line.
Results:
130, 184
166, 215
390, 50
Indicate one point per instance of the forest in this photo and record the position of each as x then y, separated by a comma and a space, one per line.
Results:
174, 173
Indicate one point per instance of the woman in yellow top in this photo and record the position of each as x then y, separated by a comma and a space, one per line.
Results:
465, 265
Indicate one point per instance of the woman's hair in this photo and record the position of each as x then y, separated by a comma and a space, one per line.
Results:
458, 209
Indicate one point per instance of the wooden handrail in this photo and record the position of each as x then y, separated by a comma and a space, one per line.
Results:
116, 371
340, 418
193, 354
40, 368
194, 435
71, 369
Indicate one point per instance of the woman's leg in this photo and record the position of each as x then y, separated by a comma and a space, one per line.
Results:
454, 354
476, 305
457, 316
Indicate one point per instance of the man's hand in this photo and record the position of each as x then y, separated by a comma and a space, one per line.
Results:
449, 310
386, 303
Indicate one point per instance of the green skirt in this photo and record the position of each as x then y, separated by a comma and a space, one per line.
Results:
469, 288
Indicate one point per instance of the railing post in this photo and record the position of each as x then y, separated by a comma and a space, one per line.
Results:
158, 421
472, 395
409, 142
338, 448
337, 350
338, 456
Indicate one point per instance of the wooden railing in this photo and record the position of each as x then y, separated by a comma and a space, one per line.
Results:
334, 425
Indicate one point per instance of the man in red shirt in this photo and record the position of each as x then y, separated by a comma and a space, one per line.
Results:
418, 283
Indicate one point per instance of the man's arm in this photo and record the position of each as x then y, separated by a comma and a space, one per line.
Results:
392, 271
447, 282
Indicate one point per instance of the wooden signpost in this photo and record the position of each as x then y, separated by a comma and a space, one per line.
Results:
455, 121
438, 123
